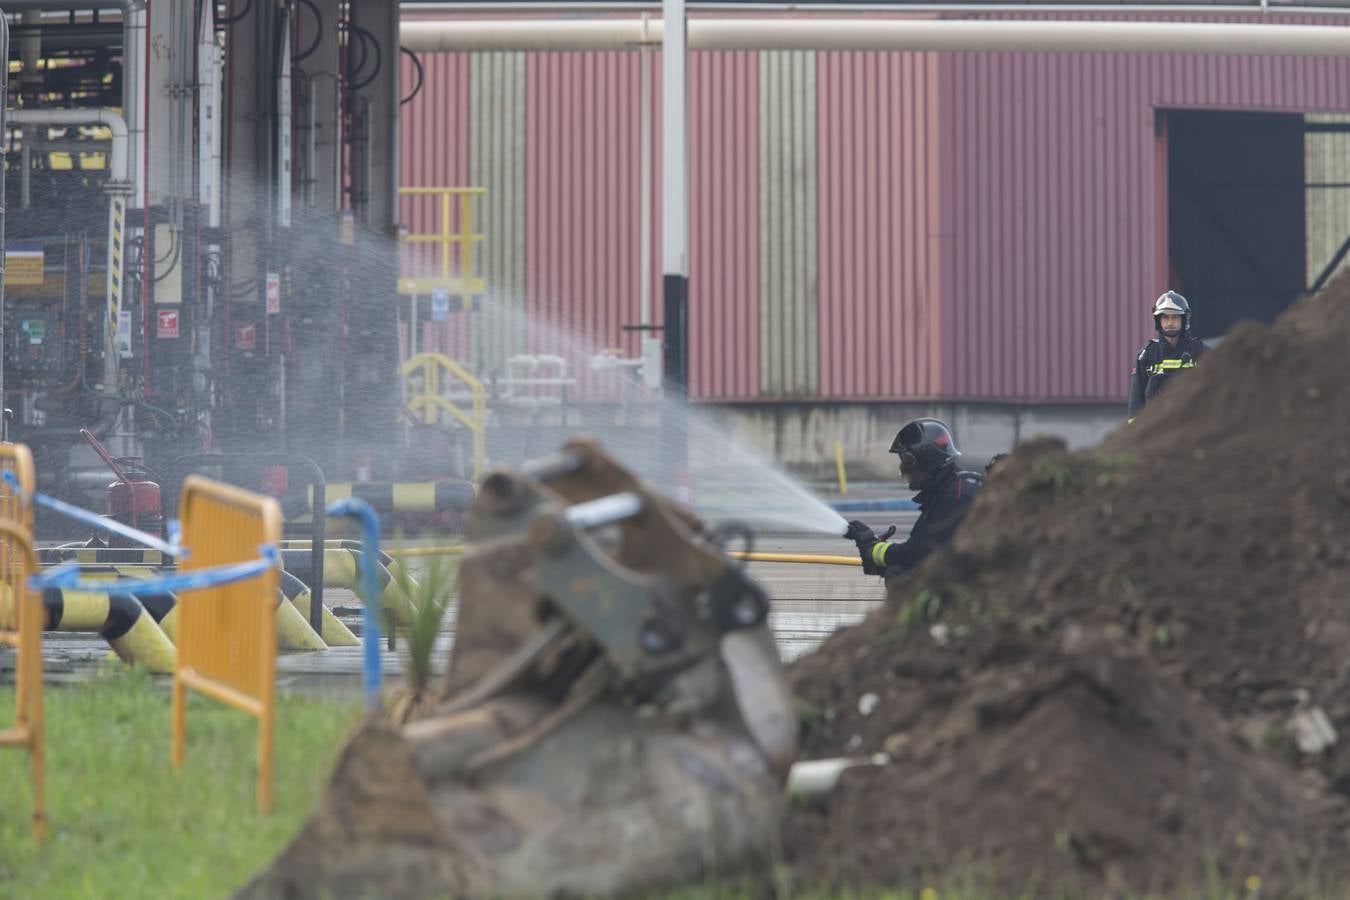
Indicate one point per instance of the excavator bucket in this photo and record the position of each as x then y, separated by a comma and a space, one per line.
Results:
615, 718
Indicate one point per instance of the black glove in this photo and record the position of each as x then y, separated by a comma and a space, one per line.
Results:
866, 539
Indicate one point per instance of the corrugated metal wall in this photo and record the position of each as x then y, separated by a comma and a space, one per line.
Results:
788, 280
1054, 235
581, 207
434, 151
877, 190
1327, 163
871, 226
724, 209
497, 162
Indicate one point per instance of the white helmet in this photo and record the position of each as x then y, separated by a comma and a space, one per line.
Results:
1172, 304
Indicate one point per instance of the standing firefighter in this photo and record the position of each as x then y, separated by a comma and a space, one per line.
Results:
928, 455
1173, 350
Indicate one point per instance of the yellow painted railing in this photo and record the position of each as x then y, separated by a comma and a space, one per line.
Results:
427, 403
465, 281
21, 621
227, 634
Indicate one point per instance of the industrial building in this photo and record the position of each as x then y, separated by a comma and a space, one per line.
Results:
293, 225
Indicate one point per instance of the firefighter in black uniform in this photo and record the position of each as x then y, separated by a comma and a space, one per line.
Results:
928, 455
1172, 351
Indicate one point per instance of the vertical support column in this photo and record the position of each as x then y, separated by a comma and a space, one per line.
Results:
379, 18
674, 248
372, 392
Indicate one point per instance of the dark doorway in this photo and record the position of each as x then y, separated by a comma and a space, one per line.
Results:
1236, 218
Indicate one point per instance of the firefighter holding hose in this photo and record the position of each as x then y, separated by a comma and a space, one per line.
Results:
928, 453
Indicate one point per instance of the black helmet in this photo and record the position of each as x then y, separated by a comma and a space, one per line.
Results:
926, 444
1173, 304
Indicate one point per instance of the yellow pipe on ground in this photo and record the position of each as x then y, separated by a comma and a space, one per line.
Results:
293, 630
340, 571
334, 633
119, 619
290, 636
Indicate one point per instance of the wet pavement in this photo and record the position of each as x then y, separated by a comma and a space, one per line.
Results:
810, 602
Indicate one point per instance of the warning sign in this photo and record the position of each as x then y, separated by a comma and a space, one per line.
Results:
24, 262
246, 336
273, 293
440, 305
168, 323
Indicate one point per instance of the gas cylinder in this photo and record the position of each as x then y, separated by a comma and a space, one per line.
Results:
134, 502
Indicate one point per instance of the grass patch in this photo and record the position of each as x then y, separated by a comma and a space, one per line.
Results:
122, 824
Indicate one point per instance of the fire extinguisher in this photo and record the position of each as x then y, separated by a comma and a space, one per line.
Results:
133, 499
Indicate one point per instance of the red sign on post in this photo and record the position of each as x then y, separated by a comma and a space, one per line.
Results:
167, 320
245, 336
273, 292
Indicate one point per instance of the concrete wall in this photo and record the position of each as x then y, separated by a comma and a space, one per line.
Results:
801, 436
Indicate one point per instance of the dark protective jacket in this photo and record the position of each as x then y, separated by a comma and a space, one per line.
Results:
943, 503
1157, 362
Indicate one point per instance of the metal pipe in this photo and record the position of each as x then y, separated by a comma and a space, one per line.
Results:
117, 162
885, 34
645, 179
605, 510
1152, 8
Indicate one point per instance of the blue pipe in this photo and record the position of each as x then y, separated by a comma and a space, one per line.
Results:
360, 510
67, 577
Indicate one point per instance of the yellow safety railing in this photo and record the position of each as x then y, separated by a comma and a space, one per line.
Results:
465, 281
428, 404
227, 635
18, 507
21, 621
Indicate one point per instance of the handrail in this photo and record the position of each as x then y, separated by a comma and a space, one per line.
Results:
431, 365
465, 282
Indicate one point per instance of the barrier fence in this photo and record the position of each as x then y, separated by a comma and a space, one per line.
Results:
21, 616
227, 641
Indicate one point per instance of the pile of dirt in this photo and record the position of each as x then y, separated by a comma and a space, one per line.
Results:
1118, 676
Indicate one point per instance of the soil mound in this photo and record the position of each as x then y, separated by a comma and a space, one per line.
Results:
1119, 677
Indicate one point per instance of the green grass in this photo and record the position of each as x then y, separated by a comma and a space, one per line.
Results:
122, 824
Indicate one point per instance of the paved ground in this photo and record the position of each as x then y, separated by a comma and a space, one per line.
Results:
810, 602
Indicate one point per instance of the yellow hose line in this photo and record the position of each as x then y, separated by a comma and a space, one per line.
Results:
817, 559
452, 550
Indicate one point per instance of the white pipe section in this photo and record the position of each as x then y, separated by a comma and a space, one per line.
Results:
117, 162
645, 181
674, 193
884, 34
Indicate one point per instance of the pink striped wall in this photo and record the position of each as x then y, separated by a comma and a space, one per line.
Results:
724, 250
988, 224
879, 256
1055, 207
433, 152
583, 203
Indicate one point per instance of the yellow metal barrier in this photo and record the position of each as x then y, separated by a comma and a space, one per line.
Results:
227, 635
434, 367
18, 508
21, 619
464, 282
